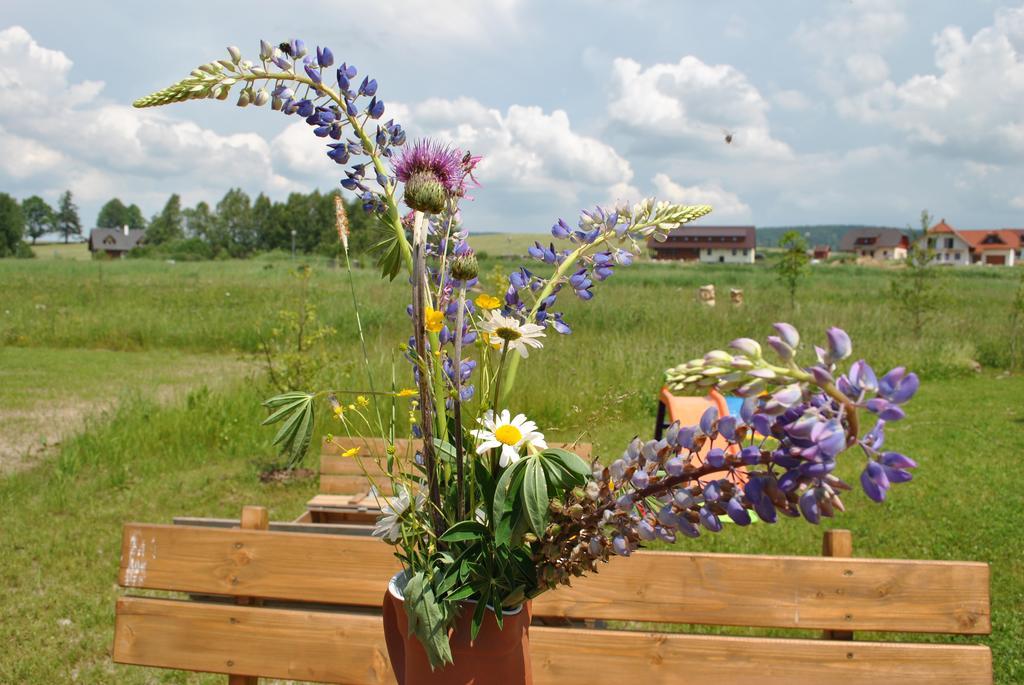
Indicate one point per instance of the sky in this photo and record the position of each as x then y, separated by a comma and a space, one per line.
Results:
841, 111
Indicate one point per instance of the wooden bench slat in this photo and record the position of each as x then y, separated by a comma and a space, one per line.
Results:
331, 484
670, 587
349, 648
377, 447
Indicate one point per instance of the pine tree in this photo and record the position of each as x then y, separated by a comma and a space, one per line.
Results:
67, 222
169, 224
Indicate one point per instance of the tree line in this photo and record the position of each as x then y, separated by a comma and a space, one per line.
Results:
236, 226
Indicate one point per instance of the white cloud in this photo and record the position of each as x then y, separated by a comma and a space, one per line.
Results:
524, 147
847, 46
693, 102
727, 206
65, 131
792, 100
430, 22
970, 107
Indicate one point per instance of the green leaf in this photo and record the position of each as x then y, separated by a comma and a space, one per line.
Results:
464, 592
535, 496
465, 530
426, 620
478, 617
571, 461
504, 501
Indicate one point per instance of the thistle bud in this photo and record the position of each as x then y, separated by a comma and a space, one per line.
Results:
464, 267
424, 193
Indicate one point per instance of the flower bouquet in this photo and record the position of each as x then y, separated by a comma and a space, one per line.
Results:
485, 514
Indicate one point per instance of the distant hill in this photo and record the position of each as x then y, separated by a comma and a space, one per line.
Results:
830, 234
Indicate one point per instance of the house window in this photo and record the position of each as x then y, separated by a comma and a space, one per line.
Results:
109, 240
931, 243
708, 252
734, 252
885, 254
745, 252
949, 243
956, 256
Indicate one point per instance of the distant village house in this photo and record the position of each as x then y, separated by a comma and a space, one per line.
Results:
956, 247
115, 242
708, 244
882, 244
821, 252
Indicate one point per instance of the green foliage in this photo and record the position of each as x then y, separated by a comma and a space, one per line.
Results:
169, 224
114, 214
294, 351
294, 410
792, 266
427, 619
235, 233
39, 217
24, 251
827, 234
66, 221
12, 225
913, 288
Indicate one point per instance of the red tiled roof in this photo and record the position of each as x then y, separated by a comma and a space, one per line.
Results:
985, 238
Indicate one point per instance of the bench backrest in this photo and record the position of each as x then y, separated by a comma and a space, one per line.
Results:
340, 475
303, 580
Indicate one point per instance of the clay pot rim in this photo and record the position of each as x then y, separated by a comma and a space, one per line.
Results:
395, 592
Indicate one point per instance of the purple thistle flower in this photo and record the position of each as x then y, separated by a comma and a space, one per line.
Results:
440, 161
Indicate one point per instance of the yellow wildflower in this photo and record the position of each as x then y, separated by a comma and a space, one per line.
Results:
351, 452
339, 411
362, 401
485, 301
406, 392
433, 320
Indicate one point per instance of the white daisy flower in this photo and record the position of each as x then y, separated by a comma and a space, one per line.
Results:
518, 336
389, 524
509, 434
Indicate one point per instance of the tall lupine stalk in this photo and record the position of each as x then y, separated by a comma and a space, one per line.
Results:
297, 86
622, 231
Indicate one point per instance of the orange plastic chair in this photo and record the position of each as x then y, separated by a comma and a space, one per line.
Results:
687, 411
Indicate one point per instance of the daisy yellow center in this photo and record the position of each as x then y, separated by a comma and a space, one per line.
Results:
508, 434
507, 334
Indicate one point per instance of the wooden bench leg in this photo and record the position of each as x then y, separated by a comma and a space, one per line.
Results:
837, 543
253, 518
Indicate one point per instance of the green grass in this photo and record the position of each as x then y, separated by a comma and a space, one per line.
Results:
47, 394
77, 251
201, 455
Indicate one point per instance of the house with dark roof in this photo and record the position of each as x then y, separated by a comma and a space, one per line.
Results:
708, 244
116, 242
882, 244
959, 247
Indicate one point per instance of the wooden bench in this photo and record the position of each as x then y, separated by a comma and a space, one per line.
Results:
345, 495
305, 606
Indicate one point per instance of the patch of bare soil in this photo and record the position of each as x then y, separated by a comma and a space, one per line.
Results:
27, 435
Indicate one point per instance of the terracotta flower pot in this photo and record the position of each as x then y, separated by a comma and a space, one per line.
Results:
498, 656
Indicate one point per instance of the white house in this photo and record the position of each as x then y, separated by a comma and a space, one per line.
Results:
998, 247
708, 244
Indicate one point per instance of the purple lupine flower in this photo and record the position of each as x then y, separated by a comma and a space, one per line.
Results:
710, 520
809, 506
324, 56
874, 481
788, 334
839, 345
708, 420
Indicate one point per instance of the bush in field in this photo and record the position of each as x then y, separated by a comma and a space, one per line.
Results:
294, 353
792, 266
914, 287
12, 225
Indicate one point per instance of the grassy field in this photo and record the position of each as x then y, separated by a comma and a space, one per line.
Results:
77, 251
201, 455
